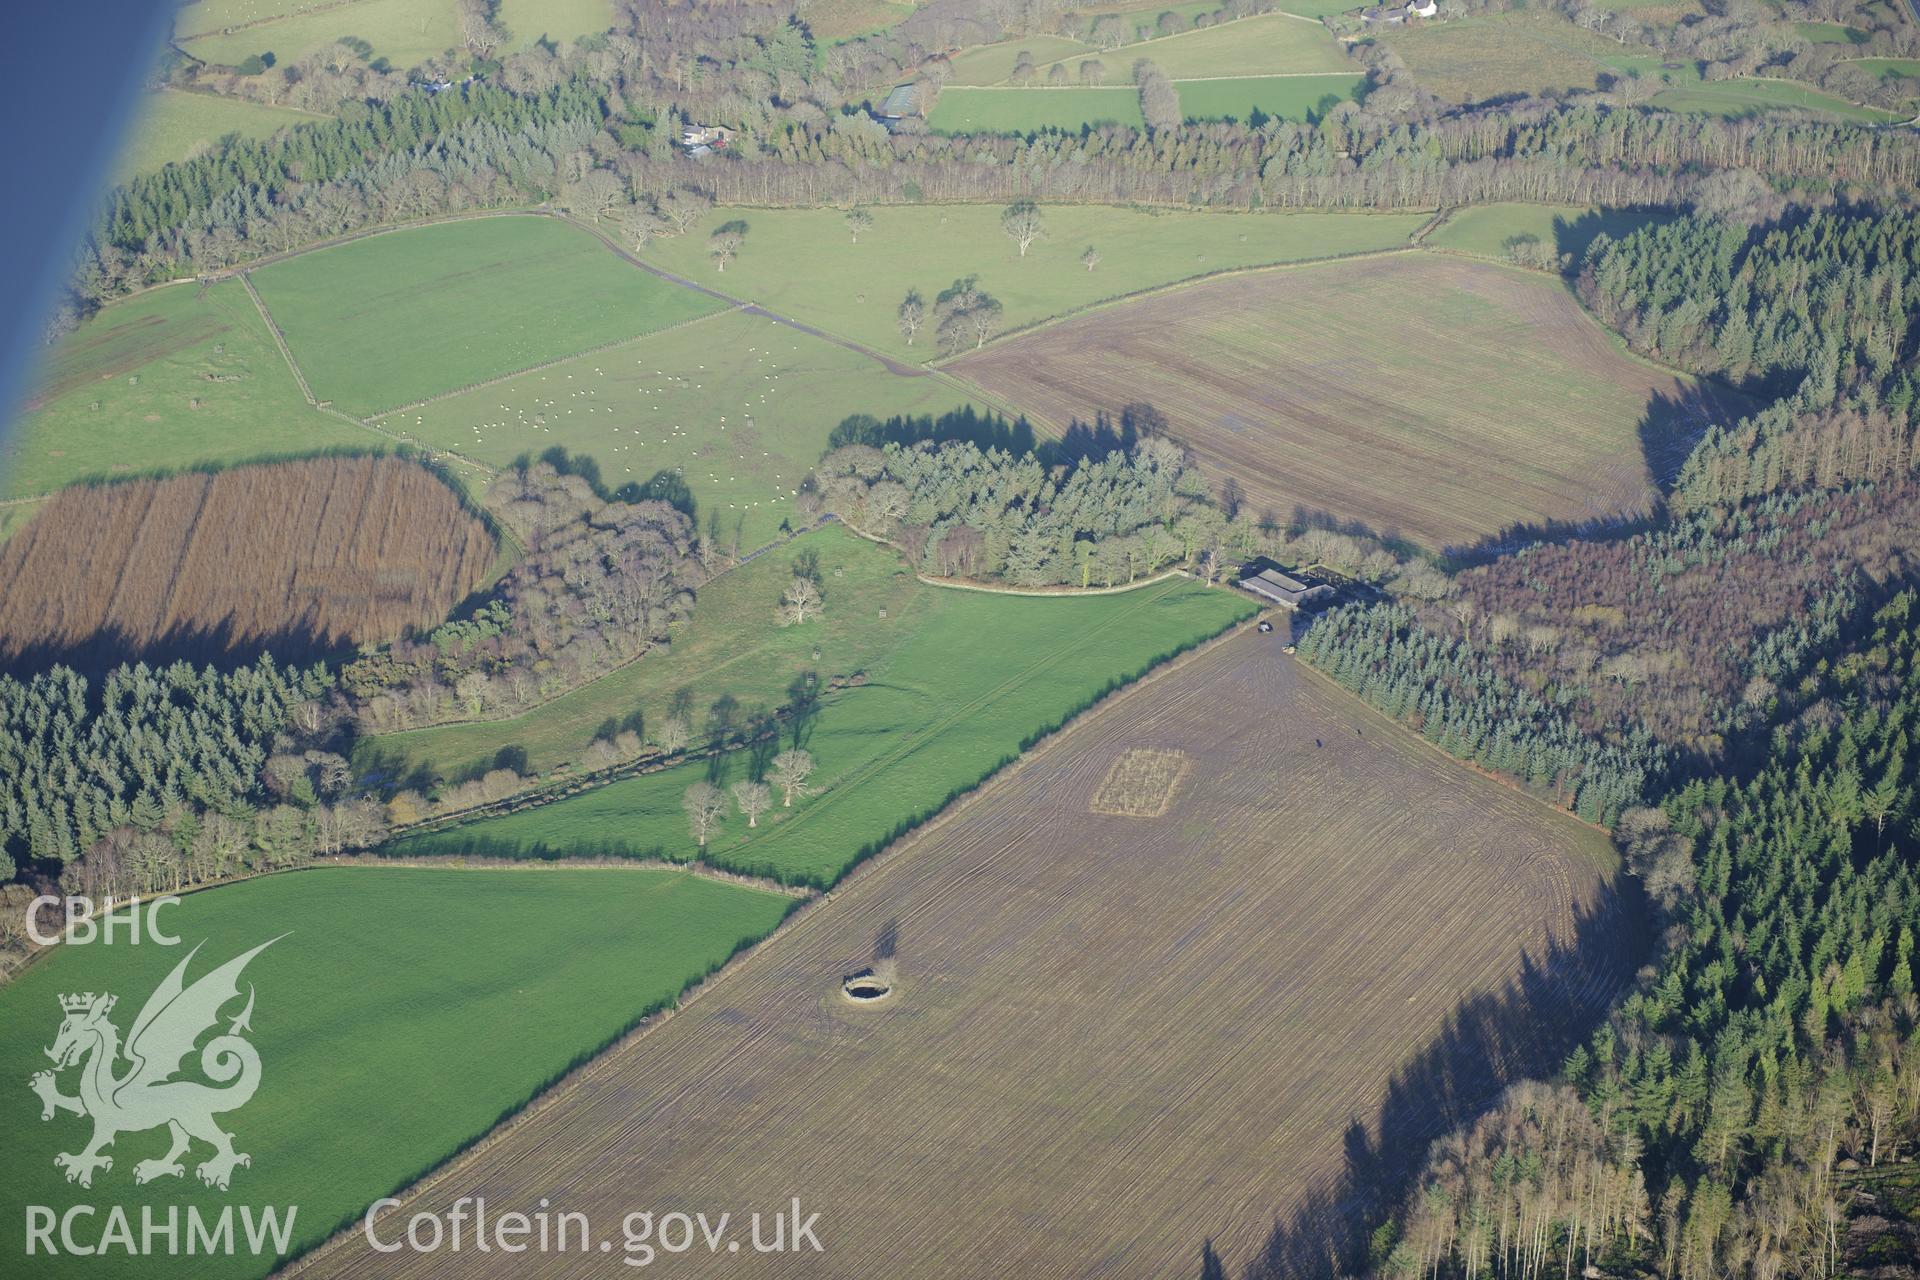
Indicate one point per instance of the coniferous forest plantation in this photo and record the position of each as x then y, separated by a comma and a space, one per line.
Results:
1261, 639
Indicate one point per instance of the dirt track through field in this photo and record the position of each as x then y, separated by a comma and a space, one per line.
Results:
1112, 1039
1435, 399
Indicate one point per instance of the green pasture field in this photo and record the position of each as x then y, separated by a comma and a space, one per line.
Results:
984, 64
172, 126
801, 262
738, 404
1485, 56
1885, 68
378, 1019
1748, 97
1830, 33
728, 648
1317, 8
394, 318
1282, 97
404, 32
1269, 44
1003, 110
964, 680
561, 21
205, 16
833, 21
144, 361
1485, 229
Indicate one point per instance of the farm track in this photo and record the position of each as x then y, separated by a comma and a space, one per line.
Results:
1112, 1039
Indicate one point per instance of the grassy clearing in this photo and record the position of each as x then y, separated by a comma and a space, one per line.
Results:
1887, 68
1040, 947
404, 32
738, 405
727, 649
384, 321
804, 264
1267, 45
172, 126
1316, 8
1001, 110
832, 21
1484, 230
1740, 98
1472, 59
1282, 97
1830, 33
984, 64
144, 362
379, 1023
964, 681
561, 21
1426, 396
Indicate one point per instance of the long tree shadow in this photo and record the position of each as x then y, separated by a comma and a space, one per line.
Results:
1670, 426
1491, 1041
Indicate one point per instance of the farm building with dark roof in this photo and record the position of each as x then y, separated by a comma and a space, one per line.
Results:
1284, 589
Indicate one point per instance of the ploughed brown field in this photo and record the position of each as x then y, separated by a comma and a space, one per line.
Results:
301, 557
1439, 400
1113, 1040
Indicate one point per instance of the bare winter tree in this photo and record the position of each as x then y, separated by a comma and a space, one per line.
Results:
754, 799
858, 220
800, 603
790, 772
675, 733
683, 207
1091, 258
1093, 72
1023, 224
478, 29
983, 319
724, 244
911, 315
706, 808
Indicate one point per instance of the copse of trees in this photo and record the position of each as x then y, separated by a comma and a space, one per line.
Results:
960, 510
165, 776
1456, 700
601, 582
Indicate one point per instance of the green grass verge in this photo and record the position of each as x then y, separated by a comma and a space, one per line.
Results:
1830, 33
394, 318
1001, 110
738, 405
1484, 230
1740, 98
967, 681
1281, 97
404, 32
172, 126
559, 21
379, 1020
993, 63
144, 362
1266, 45
802, 262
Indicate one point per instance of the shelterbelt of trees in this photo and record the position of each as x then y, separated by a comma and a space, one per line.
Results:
1732, 691
593, 129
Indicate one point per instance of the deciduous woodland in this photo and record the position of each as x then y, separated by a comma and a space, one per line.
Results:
304, 558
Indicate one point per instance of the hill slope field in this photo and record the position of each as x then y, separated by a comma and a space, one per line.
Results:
1437, 400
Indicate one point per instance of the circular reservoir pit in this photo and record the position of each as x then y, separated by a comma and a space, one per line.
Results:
866, 987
